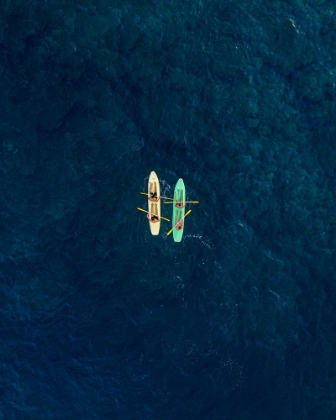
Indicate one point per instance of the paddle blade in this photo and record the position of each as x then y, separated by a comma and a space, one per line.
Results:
142, 210
168, 202
144, 193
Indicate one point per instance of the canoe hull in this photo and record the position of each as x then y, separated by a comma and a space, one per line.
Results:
154, 207
178, 213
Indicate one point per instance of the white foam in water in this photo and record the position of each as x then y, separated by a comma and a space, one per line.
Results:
203, 239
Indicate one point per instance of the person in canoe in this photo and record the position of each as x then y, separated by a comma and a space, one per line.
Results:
152, 216
153, 192
179, 203
179, 224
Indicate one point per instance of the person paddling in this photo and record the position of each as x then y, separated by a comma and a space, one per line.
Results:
153, 194
153, 218
152, 215
179, 203
179, 224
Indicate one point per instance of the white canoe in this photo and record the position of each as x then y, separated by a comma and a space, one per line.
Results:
154, 207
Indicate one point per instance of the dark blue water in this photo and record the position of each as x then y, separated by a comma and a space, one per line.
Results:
99, 319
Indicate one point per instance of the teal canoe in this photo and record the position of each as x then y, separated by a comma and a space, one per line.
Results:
178, 213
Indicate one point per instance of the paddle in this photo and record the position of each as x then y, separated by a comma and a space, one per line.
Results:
188, 212
167, 198
152, 213
190, 202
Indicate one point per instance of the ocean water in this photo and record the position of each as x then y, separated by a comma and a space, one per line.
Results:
100, 319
